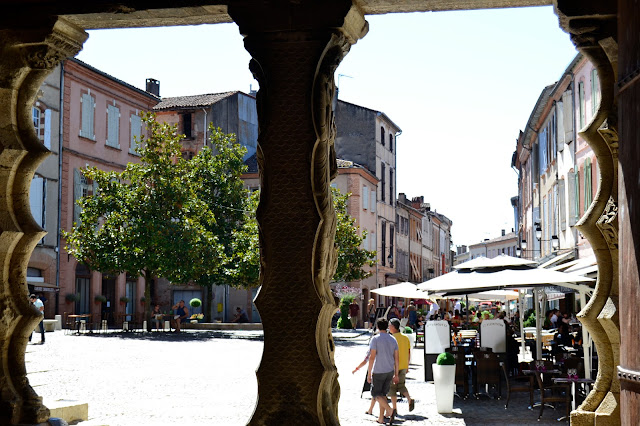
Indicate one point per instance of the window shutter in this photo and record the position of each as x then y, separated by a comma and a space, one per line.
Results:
373, 201
574, 198
113, 126
136, 132
542, 145
582, 106
595, 91
560, 125
36, 194
365, 197
88, 107
562, 205
47, 128
77, 194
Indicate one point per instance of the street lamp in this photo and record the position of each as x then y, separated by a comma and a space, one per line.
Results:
518, 251
390, 259
538, 231
523, 244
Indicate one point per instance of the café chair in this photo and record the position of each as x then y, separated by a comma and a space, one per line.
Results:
550, 393
519, 382
462, 378
487, 371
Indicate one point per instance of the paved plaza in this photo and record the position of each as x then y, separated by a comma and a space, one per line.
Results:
208, 378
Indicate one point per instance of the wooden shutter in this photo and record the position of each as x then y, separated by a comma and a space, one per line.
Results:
587, 184
365, 197
560, 125
113, 126
47, 128
567, 112
136, 132
582, 109
77, 194
36, 196
562, 206
88, 107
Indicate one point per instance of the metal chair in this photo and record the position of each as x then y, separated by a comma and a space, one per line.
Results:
520, 382
552, 393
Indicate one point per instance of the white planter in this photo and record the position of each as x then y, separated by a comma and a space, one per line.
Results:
412, 339
444, 377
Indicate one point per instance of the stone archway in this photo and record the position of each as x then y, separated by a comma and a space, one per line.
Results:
295, 46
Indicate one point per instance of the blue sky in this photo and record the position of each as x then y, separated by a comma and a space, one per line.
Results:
460, 85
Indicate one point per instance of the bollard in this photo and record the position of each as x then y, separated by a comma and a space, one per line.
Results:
83, 325
144, 325
104, 326
167, 326
125, 326
58, 319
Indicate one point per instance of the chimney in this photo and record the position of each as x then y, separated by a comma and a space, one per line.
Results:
153, 86
402, 197
503, 232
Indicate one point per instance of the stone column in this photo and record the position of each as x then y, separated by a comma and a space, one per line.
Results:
26, 57
296, 47
593, 31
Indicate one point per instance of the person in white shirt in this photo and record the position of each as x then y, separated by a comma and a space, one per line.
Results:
40, 307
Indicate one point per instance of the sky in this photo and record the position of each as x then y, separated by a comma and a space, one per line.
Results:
460, 85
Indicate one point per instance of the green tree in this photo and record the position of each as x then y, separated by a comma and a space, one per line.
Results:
147, 220
351, 257
216, 172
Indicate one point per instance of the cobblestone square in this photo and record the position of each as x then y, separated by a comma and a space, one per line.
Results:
208, 378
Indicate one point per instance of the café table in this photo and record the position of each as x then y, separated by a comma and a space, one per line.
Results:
552, 372
78, 319
573, 381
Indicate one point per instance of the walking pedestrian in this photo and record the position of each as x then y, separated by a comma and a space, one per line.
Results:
383, 368
40, 307
404, 357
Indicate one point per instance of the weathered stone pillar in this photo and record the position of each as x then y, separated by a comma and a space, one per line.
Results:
296, 47
628, 88
592, 26
26, 57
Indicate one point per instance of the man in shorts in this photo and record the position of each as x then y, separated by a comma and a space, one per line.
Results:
404, 357
383, 368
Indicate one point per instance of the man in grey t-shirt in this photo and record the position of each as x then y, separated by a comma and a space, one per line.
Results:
383, 368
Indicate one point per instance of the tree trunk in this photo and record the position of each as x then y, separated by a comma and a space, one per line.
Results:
147, 296
208, 290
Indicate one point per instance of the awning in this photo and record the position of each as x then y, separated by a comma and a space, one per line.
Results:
557, 259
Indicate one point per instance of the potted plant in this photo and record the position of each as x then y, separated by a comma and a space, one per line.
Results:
100, 298
195, 303
408, 331
71, 297
124, 300
444, 378
143, 300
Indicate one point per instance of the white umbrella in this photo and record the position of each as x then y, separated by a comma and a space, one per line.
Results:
500, 261
501, 295
406, 290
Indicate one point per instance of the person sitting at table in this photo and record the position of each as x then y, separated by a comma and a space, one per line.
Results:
181, 314
156, 316
240, 316
456, 320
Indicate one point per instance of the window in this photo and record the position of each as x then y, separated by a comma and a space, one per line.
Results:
391, 194
391, 245
88, 110
83, 289
382, 133
365, 197
382, 182
82, 187
383, 241
186, 125
581, 104
391, 142
38, 200
113, 126
35, 114
130, 292
587, 184
136, 133
595, 91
